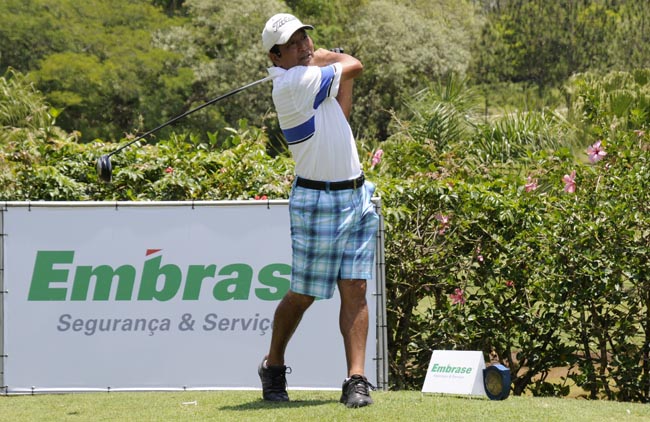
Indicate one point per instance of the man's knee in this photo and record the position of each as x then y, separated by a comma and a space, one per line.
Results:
298, 300
353, 290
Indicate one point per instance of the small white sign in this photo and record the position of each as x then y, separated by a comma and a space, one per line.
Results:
455, 372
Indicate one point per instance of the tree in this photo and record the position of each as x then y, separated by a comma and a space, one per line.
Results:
101, 67
171, 7
631, 40
404, 46
29, 31
543, 43
222, 44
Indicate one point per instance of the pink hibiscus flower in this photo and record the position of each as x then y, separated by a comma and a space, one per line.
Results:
531, 185
376, 158
596, 152
570, 182
444, 223
458, 297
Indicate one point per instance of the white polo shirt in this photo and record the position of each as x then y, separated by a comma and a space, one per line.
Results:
319, 136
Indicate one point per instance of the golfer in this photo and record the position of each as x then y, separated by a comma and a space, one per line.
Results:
333, 222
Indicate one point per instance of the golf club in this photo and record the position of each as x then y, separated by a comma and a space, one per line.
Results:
103, 164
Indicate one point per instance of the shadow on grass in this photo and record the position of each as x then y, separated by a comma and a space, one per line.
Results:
261, 404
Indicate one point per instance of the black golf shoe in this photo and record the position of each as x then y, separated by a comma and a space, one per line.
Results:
274, 382
356, 391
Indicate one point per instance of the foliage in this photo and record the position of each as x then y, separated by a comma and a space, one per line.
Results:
126, 66
222, 44
542, 43
39, 161
512, 261
170, 6
96, 60
179, 168
21, 105
28, 33
404, 46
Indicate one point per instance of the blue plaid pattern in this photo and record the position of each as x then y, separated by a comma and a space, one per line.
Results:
332, 236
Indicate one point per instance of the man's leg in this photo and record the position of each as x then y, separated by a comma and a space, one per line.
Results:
272, 370
353, 322
285, 321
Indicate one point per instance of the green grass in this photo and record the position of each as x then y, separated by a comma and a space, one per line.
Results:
307, 406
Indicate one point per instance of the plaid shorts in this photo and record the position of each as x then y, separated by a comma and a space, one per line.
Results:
332, 238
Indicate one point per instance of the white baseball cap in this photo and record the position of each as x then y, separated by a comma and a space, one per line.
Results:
280, 28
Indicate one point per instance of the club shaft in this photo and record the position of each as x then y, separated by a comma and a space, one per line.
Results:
187, 113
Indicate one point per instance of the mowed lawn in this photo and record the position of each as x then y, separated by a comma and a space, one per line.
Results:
307, 406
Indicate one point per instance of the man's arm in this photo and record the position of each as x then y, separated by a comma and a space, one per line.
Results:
344, 97
351, 68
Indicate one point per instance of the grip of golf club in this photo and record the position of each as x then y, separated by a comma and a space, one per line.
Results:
337, 50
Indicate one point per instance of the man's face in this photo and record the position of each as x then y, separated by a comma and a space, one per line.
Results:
298, 51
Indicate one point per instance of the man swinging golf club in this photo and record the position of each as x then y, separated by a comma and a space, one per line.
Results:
333, 221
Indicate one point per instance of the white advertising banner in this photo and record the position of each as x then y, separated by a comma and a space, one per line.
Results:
157, 296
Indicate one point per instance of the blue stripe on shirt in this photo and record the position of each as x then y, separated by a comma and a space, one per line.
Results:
326, 80
300, 133
304, 131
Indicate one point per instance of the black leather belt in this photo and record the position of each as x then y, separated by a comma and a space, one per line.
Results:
318, 185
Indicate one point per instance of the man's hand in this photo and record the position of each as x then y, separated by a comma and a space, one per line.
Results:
323, 57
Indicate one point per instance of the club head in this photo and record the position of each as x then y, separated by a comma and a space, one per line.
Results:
104, 168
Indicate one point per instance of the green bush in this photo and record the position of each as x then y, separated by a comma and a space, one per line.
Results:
509, 252
39, 161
